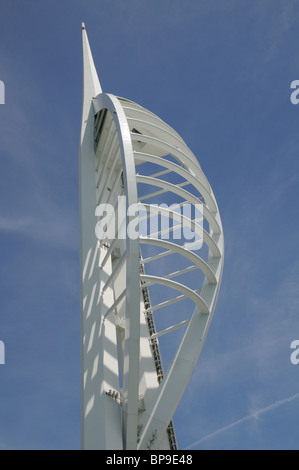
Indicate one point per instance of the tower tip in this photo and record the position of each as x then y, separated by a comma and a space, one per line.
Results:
91, 83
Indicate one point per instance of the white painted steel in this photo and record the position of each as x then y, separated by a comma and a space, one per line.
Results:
100, 416
127, 400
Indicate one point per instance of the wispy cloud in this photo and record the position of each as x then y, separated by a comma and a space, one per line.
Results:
252, 415
14, 224
54, 228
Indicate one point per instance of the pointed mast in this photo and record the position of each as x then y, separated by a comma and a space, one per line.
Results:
91, 83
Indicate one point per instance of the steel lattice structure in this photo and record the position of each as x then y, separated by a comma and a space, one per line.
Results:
129, 156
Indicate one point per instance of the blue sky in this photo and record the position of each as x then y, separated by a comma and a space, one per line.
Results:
219, 72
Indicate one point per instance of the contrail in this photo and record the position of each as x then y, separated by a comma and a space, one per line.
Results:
245, 418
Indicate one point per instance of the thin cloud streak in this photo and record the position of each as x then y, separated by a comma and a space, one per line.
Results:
52, 229
255, 414
14, 224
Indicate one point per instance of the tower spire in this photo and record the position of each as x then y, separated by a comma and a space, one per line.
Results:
91, 83
91, 80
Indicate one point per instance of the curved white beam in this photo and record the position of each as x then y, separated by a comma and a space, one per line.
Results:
210, 241
183, 193
175, 248
131, 353
191, 294
186, 158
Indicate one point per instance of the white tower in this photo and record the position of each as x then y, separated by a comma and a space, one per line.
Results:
130, 158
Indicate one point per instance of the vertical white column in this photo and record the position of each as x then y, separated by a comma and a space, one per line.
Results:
100, 413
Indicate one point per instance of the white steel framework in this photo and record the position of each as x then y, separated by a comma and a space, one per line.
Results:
140, 294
